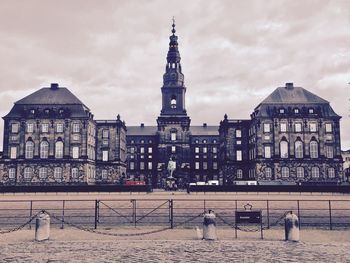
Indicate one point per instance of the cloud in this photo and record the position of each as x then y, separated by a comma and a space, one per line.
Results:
234, 53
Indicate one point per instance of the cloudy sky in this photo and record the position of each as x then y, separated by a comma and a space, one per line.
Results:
111, 54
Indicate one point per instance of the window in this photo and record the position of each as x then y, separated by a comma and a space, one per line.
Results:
215, 150
313, 127
13, 152
142, 166
283, 127
196, 149
150, 166
142, 141
14, 127
238, 142
173, 149
59, 149
311, 111
238, 133
75, 128
104, 174
59, 127
281, 111
132, 149
142, 149
29, 151
30, 127
296, 111
284, 149
58, 172
215, 165
239, 174
313, 149
329, 151
28, 173
105, 133
205, 165
239, 155
205, 149
331, 173
150, 149
267, 151
298, 147
297, 127
315, 172
75, 173
12, 173
267, 127
132, 165
173, 136
196, 165
204, 141
285, 172
105, 156
75, 152
76, 137
300, 172
42, 173
173, 102
44, 127
268, 172
328, 127
44, 149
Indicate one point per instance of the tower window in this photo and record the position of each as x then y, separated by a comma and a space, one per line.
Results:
173, 102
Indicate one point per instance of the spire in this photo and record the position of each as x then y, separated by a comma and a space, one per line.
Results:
173, 73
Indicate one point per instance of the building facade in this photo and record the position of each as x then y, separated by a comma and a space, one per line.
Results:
51, 137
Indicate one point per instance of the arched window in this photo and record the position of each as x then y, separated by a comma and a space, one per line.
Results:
59, 149
29, 152
28, 173
44, 149
173, 102
239, 174
300, 172
284, 149
42, 173
285, 172
298, 147
315, 172
58, 172
268, 172
313, 149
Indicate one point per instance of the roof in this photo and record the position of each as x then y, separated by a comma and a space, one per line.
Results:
204, 130
141, 130
50, 96
292, 95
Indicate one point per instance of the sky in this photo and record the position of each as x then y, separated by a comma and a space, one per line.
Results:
112, 54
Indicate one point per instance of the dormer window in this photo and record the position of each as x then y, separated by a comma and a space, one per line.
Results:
311, 110
281, 111
173, 102
296, 111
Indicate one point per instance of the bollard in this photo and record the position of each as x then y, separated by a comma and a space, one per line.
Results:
209, 226
42, 227
291, 226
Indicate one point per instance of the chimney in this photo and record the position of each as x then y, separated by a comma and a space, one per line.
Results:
142, 125
289, 85
54, 86
204, 125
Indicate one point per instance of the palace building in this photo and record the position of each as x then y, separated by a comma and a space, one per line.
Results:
51, 137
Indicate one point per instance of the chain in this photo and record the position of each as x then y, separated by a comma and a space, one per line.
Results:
21, 226
120, 234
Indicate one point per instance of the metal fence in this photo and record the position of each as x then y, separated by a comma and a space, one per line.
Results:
330, 214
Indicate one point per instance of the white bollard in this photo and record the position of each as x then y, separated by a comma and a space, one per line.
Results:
291, 226
42, 227
209, 226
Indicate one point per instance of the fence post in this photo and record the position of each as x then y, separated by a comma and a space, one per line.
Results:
298, 205
171, 207
31, 213
330, 215
63, 205
268, 214
96, 213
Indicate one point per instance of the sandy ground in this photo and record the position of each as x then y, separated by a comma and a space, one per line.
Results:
179, 245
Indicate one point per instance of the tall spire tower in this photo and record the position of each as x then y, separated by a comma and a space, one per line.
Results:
173, 90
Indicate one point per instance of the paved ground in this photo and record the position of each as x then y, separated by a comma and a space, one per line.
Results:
173, 251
